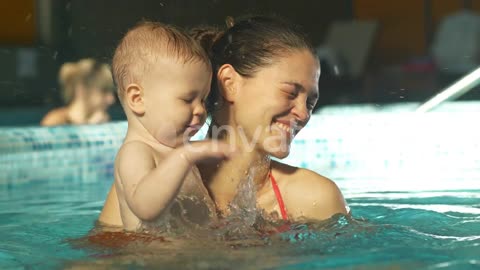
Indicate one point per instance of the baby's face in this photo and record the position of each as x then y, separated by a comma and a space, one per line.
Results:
174, 97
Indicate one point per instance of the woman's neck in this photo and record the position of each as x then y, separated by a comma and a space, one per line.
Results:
223, 179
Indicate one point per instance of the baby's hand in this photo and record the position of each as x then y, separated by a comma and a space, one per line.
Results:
207, 151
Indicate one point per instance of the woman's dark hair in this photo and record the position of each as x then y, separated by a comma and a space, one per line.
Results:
248, 45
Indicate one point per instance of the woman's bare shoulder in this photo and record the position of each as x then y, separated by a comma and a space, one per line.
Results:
299, 176
308, 194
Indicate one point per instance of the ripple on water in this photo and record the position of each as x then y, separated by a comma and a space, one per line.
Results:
389, 230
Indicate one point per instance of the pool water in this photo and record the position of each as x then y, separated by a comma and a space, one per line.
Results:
42, 225
411, 183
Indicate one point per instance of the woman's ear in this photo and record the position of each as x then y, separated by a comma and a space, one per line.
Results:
228, 80
134, 98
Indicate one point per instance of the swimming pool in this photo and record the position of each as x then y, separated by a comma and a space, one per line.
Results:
411, 180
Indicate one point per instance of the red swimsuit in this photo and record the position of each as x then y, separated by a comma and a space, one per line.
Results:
283, 210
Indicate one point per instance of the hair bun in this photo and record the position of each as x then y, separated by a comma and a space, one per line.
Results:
206, 36
229, 21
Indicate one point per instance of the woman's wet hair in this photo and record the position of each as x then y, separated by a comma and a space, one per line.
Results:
249, 44
88, 72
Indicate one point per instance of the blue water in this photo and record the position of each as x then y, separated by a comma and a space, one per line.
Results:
40, 221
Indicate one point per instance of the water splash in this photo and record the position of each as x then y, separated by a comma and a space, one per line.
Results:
244, 204
238, 227
187, 217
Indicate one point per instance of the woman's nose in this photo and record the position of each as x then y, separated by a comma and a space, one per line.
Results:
301, 112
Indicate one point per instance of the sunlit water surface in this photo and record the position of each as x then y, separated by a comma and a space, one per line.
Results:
44, 224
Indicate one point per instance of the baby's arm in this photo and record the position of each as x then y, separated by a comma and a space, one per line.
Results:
149, 189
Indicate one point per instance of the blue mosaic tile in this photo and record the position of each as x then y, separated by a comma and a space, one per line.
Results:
336, 144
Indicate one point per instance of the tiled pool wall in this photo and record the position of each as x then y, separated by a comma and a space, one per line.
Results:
356, 142
409, 150
73, 153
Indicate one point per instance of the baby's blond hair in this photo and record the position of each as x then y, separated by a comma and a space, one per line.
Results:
88, 72
144, 44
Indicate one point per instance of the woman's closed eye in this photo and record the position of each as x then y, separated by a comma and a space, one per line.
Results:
292, 94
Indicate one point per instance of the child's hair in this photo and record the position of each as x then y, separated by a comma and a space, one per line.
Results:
87, 72
248, 45
144, 44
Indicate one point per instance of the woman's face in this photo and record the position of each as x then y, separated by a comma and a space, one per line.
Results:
276, 103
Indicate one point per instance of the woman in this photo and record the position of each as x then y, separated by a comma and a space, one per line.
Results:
87, 90
264, 88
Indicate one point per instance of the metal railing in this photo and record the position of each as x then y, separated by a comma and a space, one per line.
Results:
453, 91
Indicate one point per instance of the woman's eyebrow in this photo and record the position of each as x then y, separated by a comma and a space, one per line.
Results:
297, 85
300, 87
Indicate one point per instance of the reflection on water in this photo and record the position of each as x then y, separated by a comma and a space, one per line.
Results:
239, 245
339, 242
383, 236
44, 225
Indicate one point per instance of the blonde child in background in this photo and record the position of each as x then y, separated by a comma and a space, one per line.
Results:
87, 90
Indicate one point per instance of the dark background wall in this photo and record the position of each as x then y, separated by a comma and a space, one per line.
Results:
56, 31
43, 34
98, 25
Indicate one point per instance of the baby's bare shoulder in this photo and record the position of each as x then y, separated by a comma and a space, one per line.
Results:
135, 148
55, 117
134, 155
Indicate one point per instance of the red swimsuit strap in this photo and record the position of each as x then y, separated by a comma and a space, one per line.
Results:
283, 210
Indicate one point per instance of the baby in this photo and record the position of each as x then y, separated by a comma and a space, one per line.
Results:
163, 78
